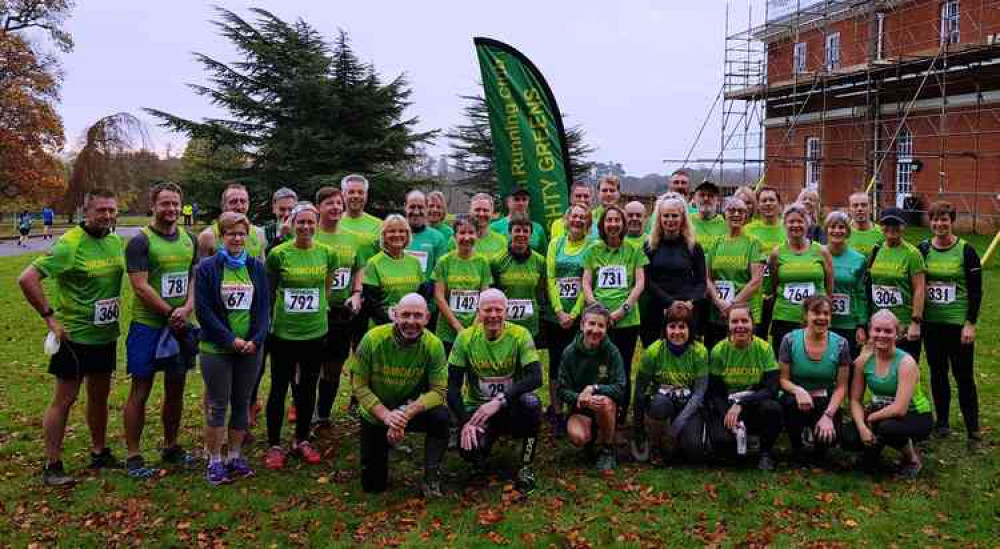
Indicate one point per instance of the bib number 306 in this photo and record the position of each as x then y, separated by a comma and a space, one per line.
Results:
886, 296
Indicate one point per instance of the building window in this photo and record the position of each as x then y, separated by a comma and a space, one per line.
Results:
904, 166
833, 51
949, 22
799, 58
813, 152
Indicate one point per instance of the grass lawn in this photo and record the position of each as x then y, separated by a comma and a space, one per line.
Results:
955, 501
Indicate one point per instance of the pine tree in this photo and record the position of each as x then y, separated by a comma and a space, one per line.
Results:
472, 148
304, 112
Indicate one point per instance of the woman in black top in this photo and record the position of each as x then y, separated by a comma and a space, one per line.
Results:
676, 270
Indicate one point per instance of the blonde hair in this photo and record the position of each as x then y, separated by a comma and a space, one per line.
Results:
228, 220
393, 219
687, 232
585, 207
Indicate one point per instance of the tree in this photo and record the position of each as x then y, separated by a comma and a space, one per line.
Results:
304, 112
31, 132
472, 148
112, 148
204, 171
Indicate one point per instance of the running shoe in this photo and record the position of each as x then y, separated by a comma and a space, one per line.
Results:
104, 460
135, 467
53, 474
606, 460
431, 487
216, 474
239, 468
308, 454
766, 462
176, 455
942, 431
975, 443
275, 458
525, 481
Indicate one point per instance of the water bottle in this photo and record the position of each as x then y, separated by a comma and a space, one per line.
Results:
51, 345
741, 439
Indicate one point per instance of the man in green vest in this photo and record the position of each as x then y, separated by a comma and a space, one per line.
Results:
87, 265
427, 244
160, 263
579, 193
865, 235
707, 223
680, 183
363, 225
635, 220
489, 243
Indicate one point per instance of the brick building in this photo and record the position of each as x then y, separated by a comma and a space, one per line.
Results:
907, 91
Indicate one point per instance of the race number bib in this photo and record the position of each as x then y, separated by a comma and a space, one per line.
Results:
463, 301
886, 296
726, 290
419, 256
341, 278
237, 297
883, 400
941, 293
569, 287
174, 285
520, 309
841, 304
301, 300
797, 292
490, 387
106, 311
612, 277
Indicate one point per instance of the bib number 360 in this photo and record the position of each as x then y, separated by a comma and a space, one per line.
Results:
106, 311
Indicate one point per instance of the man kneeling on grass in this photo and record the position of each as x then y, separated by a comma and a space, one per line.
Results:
500, 363
399, 378
592, 383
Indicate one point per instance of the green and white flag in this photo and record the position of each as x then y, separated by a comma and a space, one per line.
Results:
529, 141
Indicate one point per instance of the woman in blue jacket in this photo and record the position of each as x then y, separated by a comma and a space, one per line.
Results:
233, 308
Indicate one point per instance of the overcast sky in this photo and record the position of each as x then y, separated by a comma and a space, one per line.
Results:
639, 75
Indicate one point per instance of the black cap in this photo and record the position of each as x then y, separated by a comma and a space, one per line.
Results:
891, 216
708, 186
520, 190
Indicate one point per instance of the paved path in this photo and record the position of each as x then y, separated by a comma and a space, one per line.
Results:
10, 248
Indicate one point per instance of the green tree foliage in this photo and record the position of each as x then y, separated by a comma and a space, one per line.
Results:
303, 112
205, 169
472, 148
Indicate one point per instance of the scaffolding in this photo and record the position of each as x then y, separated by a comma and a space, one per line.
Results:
889, 72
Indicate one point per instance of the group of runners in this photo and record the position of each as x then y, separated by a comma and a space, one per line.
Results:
754, 319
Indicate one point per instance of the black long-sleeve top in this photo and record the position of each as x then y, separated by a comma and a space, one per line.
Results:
973, 277
675, 272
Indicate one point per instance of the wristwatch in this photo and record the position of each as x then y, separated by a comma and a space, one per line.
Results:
47, 313
626, 307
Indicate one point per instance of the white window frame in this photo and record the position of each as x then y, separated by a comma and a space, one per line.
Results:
832, 51
950, 19
799, 58
814, 152
904, 166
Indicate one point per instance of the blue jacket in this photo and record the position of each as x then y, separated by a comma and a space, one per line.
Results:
211, 311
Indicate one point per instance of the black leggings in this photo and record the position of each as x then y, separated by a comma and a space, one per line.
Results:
762, 326
797, 421
894, 432
691, 439
945, 350
521, 419
375, 446
287, 358
763, 418
625, 339
715, 333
